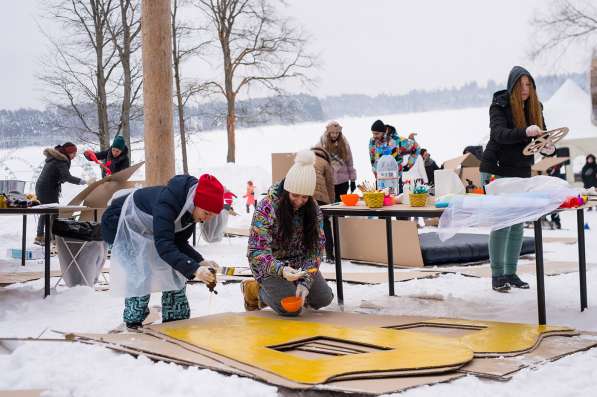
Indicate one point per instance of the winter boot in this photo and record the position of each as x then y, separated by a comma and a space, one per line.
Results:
500, 284
516, 282
250, 290
39, 240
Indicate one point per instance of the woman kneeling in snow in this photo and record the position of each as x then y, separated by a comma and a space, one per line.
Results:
286, 244
149, 230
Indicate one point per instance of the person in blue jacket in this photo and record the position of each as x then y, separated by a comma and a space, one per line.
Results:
149, 231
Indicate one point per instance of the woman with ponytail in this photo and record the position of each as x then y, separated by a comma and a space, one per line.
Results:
515, 118
56, 171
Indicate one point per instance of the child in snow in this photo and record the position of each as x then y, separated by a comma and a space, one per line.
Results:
116, 157
250, 196
515, 118
287, 240
56, 171
149, 230
385, 138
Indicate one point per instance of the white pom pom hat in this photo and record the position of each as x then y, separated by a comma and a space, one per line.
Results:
301, 177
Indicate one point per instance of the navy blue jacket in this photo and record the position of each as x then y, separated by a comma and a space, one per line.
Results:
164, 203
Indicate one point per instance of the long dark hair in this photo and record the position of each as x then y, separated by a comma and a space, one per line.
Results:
285, 215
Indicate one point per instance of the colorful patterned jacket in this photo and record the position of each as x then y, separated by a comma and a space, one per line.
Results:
265, 252
399, 147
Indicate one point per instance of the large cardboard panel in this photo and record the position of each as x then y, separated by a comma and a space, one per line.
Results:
546, 163
551, 269
281, 163
364, 239
156, 346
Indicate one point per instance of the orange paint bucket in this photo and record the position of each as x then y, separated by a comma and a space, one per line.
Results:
292, 304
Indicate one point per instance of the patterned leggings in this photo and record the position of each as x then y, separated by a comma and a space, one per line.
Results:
175, 306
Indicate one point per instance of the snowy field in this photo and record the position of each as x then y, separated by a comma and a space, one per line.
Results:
79, 370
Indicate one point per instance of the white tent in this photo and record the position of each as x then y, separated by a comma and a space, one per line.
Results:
570, 107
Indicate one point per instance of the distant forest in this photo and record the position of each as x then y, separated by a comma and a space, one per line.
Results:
53, 125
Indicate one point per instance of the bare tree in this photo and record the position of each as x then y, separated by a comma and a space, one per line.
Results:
83, 63
567, 22
124, 27
183, 33
258, 47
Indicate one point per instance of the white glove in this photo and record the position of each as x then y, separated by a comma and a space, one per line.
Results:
302, 292
548, 149
292, 274
533, 131
207, 272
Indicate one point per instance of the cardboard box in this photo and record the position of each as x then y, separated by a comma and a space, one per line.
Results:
281, 163
405, 238
467, 167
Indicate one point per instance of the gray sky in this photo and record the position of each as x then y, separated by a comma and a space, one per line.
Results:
369, 47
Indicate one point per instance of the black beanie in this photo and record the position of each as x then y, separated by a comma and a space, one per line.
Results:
378, 126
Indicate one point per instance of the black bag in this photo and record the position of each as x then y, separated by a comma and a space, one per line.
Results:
68, 228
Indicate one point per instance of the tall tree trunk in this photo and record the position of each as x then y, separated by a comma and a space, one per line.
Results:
230, 100
230, 128
180, 108
102, 101
127, 79
157, 91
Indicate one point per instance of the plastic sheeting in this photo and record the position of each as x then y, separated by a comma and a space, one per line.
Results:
509, 201
212, 231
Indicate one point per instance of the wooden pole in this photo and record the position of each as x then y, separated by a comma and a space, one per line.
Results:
157, 92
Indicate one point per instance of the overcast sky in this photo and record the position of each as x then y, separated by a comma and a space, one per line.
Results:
366, 46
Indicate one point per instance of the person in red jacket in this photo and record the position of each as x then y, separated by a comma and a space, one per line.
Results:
250, 196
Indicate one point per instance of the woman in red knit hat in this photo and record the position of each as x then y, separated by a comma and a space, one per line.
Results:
149, 230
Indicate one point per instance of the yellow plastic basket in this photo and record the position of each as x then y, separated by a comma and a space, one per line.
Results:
374, 199
418, 200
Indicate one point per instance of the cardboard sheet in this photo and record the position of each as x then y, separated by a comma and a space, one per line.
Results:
100, 192
156, 347
281, 163
484, 271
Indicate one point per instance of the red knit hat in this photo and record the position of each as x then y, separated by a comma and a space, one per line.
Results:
210, 194
67, 148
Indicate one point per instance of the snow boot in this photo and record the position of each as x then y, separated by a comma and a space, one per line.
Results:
516, 282
250, 290
500, 284
39, 240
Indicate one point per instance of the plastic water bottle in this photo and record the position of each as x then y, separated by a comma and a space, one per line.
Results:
387, 173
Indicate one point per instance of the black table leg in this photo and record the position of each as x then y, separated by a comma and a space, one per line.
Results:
95, 215
338, 259
390, 247
582, 261
47, 254
540, 272
194, 235
24, 242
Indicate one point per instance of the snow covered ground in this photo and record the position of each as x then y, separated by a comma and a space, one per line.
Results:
79, 370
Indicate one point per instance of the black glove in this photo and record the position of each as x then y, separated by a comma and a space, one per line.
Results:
353, 186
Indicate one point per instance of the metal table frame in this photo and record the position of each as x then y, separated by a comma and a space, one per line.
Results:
47, 214
402, 211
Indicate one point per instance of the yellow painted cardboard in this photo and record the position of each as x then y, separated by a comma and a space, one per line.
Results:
499, 338
250, 339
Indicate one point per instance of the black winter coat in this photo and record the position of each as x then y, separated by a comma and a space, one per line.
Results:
116, 163
164, 203
589, 175
503, 154
56, 171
